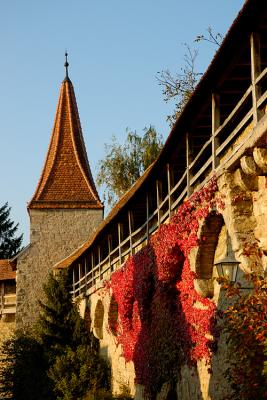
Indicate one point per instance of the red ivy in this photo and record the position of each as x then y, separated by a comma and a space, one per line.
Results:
159, 327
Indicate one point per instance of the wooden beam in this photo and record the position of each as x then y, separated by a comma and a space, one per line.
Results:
159, 198
85, 272
147, 217
93, 265
255, 72
170, 181
188, 162
73, 280
215, 125
119, 236
130, 221
109, 250
79, 269
99, 260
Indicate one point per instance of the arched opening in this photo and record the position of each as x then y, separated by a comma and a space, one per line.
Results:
205, 257
98, 320
113, 316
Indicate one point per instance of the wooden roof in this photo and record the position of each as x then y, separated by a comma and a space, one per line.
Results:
66, 180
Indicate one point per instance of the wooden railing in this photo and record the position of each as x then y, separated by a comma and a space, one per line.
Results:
91, 270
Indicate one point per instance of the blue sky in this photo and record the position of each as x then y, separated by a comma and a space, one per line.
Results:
116, 48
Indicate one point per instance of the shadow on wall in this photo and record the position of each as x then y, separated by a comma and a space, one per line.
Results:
98, 320
219, 387
163, 336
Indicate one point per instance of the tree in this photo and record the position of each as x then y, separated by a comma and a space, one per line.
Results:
23, 369
124, 164
74, 365
58, 359
9, 243
213, 38
180, 86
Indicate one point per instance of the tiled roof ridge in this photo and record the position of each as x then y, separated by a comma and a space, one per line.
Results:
67, 102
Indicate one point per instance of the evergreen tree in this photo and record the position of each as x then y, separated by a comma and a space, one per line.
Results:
23, 370
74, 365
9, 243
59, 360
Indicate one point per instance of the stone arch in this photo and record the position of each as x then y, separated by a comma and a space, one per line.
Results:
98, 319
209, 236
113, 316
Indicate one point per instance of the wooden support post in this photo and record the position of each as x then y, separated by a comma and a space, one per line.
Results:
79, 271
255, 72
130, 221
159, 199
73, 281
119, 235
2, 293
99, 260
215, 106
93, 265
170, 185
147, 217
85, 272
188, 162
109, 251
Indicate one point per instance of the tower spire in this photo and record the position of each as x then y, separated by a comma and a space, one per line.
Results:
66, 180
66, 65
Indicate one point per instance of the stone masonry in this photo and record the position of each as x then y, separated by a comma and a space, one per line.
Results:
54, 235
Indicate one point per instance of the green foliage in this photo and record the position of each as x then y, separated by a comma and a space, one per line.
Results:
103, 394
246, 326
9, 243
77, 370
74, 365
61, 360
124, 164
23, 370
59, 324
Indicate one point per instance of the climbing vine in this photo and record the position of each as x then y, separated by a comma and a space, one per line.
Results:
163, 321
245, 323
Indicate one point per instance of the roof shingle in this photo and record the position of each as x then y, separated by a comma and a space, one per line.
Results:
66, 180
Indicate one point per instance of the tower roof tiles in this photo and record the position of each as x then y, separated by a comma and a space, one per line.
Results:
66, 180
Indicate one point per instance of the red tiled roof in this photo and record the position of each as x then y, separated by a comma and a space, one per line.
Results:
6, 271
66, 180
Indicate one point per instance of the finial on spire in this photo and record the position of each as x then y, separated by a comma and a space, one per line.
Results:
66, 65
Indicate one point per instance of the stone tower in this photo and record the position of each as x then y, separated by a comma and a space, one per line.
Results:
64, 210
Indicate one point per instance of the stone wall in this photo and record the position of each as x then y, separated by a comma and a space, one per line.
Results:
54, 235
242, 222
